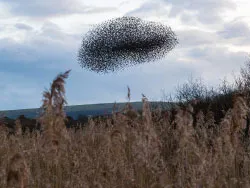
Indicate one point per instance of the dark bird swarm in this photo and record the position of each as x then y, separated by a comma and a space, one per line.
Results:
122, 42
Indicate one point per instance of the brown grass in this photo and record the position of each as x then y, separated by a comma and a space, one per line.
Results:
129, 151
17, 172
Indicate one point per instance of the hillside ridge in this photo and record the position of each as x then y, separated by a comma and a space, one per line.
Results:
76, 110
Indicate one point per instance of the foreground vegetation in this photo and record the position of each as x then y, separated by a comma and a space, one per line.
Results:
183, 147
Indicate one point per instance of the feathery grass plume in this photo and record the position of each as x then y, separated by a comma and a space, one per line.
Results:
53, 116
223, 161
149, 152
3, 127
17, 172
18, 127
201, 133
114, 109
200, 121
235, 120
129, 94
146, 112
148, 145
2, 119
156, 114
230, 158
54, 100
211, 127
55, 137
129, 112
239, 113
118, 140
128, 105
114, 113
186, 154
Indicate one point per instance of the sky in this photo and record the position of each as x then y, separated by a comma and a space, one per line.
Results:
40, 39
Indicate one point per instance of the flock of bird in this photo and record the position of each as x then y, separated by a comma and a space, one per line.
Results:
122, 42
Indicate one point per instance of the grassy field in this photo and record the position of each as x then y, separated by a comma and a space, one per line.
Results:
179, 148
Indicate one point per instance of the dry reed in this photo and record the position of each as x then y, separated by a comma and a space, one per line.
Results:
141, 151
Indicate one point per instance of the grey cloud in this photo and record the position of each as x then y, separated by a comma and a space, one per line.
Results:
52, 34
187, 18
208, 11
218, 57
52, 51
195, 37
48, 48
149, 8
211, 63
41, 8
23, 26
236, 32
47, 57
51, 30
94, 10
208, 5
235, 29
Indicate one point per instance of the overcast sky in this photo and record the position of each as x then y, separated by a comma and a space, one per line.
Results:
41, 38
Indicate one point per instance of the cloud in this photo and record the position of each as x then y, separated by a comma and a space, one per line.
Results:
214, 62
94, 10
235, 29
36, 60
220, 55
11, 52
48, 48
26, 77
236, 32
188, 18
30, 64
194, 37
33, 61
206, 12
40, 8
23, 26
150, 8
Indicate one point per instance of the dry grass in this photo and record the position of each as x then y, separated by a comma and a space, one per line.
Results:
17, 172
128, 150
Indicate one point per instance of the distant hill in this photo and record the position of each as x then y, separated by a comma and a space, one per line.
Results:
77, 110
